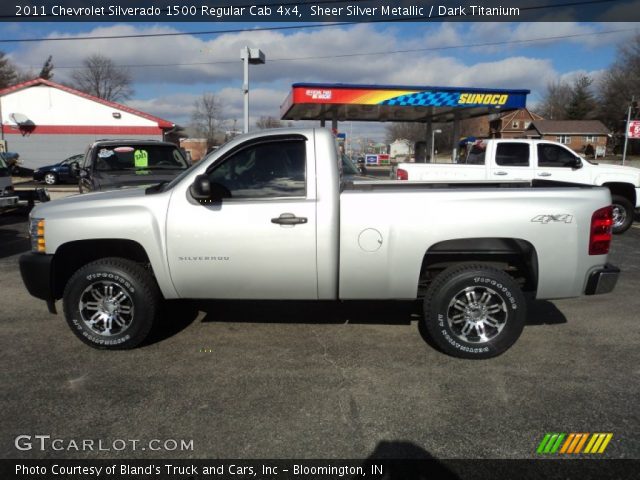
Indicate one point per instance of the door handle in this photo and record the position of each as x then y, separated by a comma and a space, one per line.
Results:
500, 173
544, 174
288, 219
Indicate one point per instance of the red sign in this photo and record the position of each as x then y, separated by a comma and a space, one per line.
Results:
634, 129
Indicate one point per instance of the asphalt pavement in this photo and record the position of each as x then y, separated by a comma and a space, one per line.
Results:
314, 380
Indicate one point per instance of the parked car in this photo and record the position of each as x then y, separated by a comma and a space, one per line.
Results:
267, 216
112, 164
8, 197
61, 172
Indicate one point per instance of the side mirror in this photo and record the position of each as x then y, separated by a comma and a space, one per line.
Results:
577, 163
203, 189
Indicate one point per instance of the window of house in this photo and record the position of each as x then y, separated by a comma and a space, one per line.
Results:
271, 169
590, 139
512, 154
564, 139
554, 156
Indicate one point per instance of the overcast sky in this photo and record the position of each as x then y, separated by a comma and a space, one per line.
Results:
211, 63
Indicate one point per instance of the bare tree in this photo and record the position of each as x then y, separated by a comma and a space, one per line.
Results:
556, 101
264, 123
102, 78
414, 132
207, 116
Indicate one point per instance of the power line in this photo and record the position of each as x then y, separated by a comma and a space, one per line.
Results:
391, 52
288, 27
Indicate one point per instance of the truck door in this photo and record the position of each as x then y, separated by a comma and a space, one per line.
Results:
512, 161
559, 163
261, 242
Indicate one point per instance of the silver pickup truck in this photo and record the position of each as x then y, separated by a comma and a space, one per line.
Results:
270, 216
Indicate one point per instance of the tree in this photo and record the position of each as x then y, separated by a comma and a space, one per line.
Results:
207, 116
8, 73
619, 84
102, 78
555, 101
47, 69
264, 123
582, 103
414, 132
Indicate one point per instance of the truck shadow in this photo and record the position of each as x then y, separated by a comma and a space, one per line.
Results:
13, 233
179, 314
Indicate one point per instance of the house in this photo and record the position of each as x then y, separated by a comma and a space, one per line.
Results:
400, 148
575, 134
46, 122
511, 124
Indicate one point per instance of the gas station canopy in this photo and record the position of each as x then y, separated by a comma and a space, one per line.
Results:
392, 103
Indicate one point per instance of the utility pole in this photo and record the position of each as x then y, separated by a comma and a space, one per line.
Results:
626, 128
252, 56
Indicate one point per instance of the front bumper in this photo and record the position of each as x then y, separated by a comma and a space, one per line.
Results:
8, 201
602, 280
35, 269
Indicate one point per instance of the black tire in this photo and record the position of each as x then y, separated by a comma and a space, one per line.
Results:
504, 311
121, 324
623, 213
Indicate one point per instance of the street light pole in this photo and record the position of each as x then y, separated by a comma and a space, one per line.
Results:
252, 56
433, 142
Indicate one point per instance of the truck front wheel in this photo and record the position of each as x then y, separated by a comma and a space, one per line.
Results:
622, 214
111, 303
474, 311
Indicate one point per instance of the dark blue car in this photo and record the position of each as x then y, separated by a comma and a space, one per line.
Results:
58, 173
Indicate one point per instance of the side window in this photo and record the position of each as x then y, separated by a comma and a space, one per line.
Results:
512, 154
266, 170
554, 156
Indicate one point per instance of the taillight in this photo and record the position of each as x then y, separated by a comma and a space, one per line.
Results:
402, 174
600, 236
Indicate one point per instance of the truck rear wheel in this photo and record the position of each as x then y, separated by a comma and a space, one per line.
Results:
111, 303
623, 212
474, 311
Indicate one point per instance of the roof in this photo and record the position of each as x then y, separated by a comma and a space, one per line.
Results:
395, 103
569, 127
162, 123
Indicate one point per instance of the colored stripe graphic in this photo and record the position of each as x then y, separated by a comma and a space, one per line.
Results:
573, 443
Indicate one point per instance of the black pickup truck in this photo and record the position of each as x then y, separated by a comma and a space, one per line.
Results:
112, 164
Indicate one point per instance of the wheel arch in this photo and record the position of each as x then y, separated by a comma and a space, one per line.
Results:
626, 190
517, 257
71, 256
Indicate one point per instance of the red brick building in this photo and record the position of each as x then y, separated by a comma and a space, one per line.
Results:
575, 134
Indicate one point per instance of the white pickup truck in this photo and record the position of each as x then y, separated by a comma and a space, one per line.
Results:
271, 216
529, 159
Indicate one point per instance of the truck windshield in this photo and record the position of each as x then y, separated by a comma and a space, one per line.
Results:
139, 157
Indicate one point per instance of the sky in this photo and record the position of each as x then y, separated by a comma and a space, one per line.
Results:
171, 73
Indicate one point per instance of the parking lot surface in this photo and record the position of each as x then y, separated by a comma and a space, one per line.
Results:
313, 380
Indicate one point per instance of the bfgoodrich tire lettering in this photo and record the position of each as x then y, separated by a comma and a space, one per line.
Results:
111, 303
474, 311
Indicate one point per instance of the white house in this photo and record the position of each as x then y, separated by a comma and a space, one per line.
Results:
46, 122
400, 148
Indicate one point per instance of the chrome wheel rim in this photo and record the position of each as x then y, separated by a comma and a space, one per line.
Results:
49, 179
106, 308
477, 314
619, 215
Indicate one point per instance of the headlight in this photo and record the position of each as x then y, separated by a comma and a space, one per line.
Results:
36, 232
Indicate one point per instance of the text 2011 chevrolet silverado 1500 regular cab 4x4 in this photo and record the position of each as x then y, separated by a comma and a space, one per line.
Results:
522, 159
268, 216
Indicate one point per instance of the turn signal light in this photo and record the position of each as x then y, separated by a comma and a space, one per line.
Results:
600, 236
36, 232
